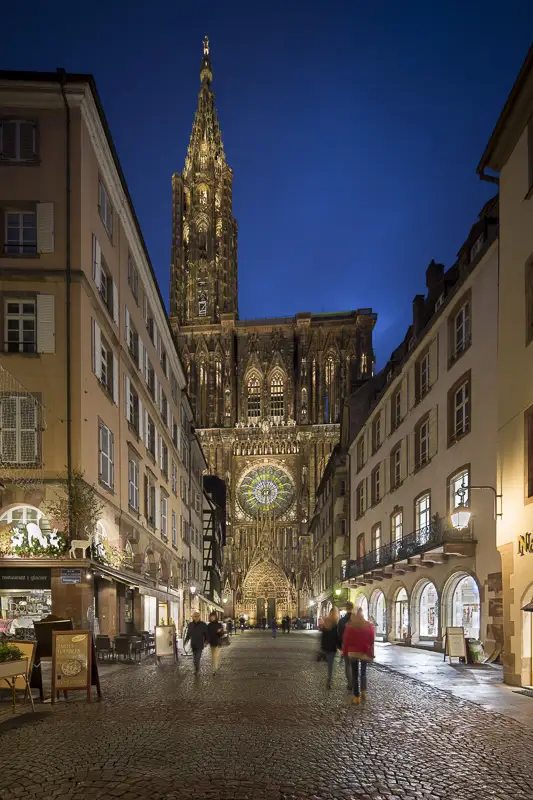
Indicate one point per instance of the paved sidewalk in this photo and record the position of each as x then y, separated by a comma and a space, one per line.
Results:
481, 684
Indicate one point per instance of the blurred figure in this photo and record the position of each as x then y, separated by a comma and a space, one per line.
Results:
197, 635
215, 631
358, 648
230, 627
342, 625
283, 625
274, 628
288, 621
330, 640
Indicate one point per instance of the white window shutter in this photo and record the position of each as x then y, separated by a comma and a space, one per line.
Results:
126, 325
115, 304
45, 227
115, 380
97, 350
97, 261
157, 507
146, 428
156, 446
46, 333
127, 397
141, 421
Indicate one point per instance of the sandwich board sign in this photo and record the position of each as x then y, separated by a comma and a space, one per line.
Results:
455, 643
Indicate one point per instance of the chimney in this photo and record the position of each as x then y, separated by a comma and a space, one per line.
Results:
434, 276
419, 315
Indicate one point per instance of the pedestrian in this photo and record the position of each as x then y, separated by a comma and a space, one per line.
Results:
288, 624
358, 647
342, 625
329, 642
284, 625
215, 631
230, 627
197, 635
274, 628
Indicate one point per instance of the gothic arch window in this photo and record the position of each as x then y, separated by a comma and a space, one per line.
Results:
202, 194
203, 392
277, 396
330, 399
254, 397
218, 392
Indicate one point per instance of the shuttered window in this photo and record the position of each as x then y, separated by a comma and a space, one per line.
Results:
18, 140
20, 232
20, 326
105, 208
19, 429
106, 456
133, 483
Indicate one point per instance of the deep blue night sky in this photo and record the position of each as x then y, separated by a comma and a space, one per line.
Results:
353, 129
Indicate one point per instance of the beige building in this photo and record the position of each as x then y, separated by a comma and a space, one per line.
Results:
90, 376
329, 531
423, 435
510, 153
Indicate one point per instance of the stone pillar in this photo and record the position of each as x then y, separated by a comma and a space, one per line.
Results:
138, 611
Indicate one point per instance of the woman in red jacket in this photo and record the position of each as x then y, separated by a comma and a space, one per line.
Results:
358, 646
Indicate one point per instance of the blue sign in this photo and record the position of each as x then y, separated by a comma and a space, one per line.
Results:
71, 576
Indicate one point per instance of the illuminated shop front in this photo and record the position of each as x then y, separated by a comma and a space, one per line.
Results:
401, 616
25, 596
429, 612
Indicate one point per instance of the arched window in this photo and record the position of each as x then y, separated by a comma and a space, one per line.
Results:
277, 398
330, 399
429, 611
254, 398
22, 515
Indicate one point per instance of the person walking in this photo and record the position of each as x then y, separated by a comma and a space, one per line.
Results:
283, 625
197, 636
341, 627
230, 627
274, 628
215, 631
329, 642
288, 620
358, 648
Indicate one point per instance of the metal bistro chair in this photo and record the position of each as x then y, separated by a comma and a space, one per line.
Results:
123, 646
103, 647
137, 646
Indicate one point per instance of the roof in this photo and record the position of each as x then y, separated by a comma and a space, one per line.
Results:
491, 158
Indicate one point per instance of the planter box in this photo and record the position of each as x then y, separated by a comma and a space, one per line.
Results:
10, 669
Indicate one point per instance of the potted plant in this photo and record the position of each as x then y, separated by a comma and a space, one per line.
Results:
12, 661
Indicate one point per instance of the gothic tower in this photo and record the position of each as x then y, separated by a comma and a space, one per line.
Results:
204, 232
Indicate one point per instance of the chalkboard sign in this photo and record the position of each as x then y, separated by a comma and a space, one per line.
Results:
44, 631
455, 643
71, 662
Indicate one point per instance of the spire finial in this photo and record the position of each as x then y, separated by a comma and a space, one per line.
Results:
206, 45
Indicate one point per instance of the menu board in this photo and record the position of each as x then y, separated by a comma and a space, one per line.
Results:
455, 643
165, 641
71, 662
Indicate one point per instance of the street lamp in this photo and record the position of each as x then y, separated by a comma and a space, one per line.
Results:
460, 516
192, 589
224, 600
338, 591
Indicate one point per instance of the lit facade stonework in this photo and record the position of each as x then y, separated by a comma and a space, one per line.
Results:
267, 393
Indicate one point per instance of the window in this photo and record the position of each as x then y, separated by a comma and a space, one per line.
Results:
361, 452
174, 479
150, 378
173, 387
376, 537
164, 407
202, 308
106, 466
133, 278
376, 433
19, 429
175, 440
477, 246
150, 435
105, 287
164, 361
360, 499
423, 513
422, 376
18, 140
149, 499
458, 489
150, 325
396, 532
20, 232
105, 209
254, 398
360, 546
459, 409
422, 443
277, 400
376, 484
396, 408
460, 331
133, 407
174, 531
164, 502
133, 343
396, 466
163, 458
106, 365
133, 483
20, 326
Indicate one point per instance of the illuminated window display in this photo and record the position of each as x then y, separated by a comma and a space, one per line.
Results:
429, 611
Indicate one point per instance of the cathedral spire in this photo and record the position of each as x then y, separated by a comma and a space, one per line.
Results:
206, 70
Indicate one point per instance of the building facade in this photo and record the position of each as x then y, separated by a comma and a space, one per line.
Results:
91, 382
423, 443
509, 153
267, 393
330, 535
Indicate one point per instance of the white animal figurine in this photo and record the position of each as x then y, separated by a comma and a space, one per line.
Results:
34, 532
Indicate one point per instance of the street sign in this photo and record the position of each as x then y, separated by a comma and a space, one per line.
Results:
71, 576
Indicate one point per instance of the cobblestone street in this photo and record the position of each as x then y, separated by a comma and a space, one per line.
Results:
265, 727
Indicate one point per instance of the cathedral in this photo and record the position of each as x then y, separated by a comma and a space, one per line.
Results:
267, 393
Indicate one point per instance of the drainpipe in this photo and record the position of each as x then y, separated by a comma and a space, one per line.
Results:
63, 80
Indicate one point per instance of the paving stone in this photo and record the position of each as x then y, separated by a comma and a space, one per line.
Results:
266, 728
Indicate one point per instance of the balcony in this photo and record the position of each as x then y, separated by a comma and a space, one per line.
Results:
425, 547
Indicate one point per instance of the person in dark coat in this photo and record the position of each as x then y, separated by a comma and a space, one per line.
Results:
230, 627
341, 627
274, 627
283, 625
215, 631
197, 636
329, 643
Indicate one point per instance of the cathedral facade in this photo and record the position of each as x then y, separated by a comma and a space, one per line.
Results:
267, 393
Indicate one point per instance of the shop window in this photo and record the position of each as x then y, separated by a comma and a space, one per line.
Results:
429, 612
466, 607
401, 616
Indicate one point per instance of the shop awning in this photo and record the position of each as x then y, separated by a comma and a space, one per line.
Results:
528, 607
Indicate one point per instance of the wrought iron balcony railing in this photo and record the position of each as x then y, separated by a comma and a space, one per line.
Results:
408, 546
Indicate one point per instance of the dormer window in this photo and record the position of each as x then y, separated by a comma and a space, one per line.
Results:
440, 301
476, 247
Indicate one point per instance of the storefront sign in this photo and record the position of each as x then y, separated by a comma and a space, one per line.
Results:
455, 643
25, 578
165, 641
71, 576
71, 662
525, 544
